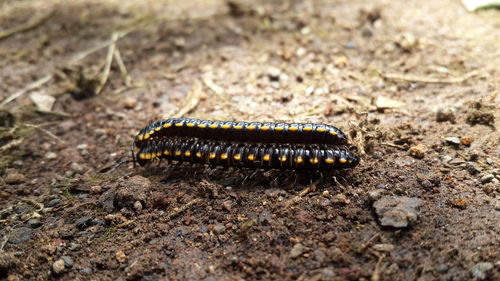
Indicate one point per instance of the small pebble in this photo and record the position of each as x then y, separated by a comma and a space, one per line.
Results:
68, 262
219, 228
341, 198
397, 211
50, 155
228, 205
326, 194
452, 140
96, 189
20, 235
53, 202
445, 114
297, 250
383, 247
86, 271
34, 223
77, 168
473, 168
487, 178
460, 203
488, 188
481, 270
138, 206
120, 256
442, 268
58, 266
274, 73
129, 103
497, 205
418, 151
14, 177
466, 141
82, 146
84, 222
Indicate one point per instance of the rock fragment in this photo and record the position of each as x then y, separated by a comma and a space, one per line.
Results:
397, 211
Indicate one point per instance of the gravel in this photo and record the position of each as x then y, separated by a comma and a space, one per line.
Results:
481, 270
68, 262
397, 211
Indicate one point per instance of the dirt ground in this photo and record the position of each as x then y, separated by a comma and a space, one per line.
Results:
415, 84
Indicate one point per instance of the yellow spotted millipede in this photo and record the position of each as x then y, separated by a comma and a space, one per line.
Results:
293, 146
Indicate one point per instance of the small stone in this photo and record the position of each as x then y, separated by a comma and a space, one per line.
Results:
460, 203
58, 266
418, 151
383, 103
34, 223
210, 278
488, 188
383, 247
77, 168
120, 256
397, 211
134, 189
341, 198
219, 229
82, 146
487, 178
445, 114
129, 103
84, 222
473, 168
53, 202
86, 271
325, 194
96, 189
14, 177
497, 205
20, 235
340, 62
442, 268
138, 206
68, 262
466, 141
274, 73
50, 155
481, 270
376, 194
452, 140
297, 250
228, 205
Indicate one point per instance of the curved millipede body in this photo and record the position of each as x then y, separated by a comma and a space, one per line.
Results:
248, 155
248, 132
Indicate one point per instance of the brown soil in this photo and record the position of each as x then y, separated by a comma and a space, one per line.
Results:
415, 84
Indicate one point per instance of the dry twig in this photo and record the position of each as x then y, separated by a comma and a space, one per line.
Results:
414, 78
191, 101
178, 211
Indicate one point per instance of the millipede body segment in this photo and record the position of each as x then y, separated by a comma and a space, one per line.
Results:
287, 156
258, 132
268, 145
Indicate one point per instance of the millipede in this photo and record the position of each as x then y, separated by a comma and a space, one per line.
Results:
265, 145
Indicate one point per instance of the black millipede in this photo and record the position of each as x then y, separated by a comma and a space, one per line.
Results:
231, 131
248, 155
